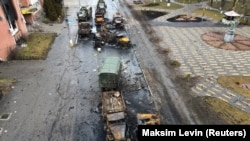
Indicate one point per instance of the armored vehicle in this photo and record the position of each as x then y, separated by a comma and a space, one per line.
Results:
84, 30
118, 21
84, 14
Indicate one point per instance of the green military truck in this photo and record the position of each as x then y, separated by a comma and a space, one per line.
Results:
110, 74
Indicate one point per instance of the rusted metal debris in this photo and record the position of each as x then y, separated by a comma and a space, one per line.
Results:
148, 119
113, 110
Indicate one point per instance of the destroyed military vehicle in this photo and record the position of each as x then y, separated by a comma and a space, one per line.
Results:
98, 42
148, 119
101, 5
118, 39
113, 105
99, 17
123, 41
118, 21
84, 14
114, 114
84, 30
110, 74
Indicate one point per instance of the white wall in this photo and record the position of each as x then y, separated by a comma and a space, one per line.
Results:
32, 2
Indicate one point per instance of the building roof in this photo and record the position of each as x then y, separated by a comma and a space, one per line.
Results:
232, 14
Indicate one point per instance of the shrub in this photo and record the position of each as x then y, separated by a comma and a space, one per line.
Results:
152, 4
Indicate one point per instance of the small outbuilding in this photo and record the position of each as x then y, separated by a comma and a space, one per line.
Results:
229, 17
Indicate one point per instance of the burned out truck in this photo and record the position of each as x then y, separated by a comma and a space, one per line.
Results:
113, 110
84, 14
148, 119
99, 17
113, 105
101, 5
100, 12
98, 42
118, 21
120, 40
84, 30
110, 74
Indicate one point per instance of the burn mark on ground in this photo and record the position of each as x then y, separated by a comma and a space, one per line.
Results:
150, 15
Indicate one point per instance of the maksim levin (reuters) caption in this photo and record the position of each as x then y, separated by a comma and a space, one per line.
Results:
194, 132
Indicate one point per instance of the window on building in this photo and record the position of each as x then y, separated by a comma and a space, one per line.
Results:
10, 14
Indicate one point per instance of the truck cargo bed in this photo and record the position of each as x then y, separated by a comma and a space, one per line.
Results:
112, 102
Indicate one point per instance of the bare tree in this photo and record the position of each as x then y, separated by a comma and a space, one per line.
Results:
235, 3
244, 2
211, 2
223, 2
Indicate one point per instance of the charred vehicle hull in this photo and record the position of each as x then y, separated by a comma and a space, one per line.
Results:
114, 115
98, 42
113, 105
84, 30
84, 14
119, 40
118, 21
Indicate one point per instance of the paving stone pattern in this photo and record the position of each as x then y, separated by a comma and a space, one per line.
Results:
200, 59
